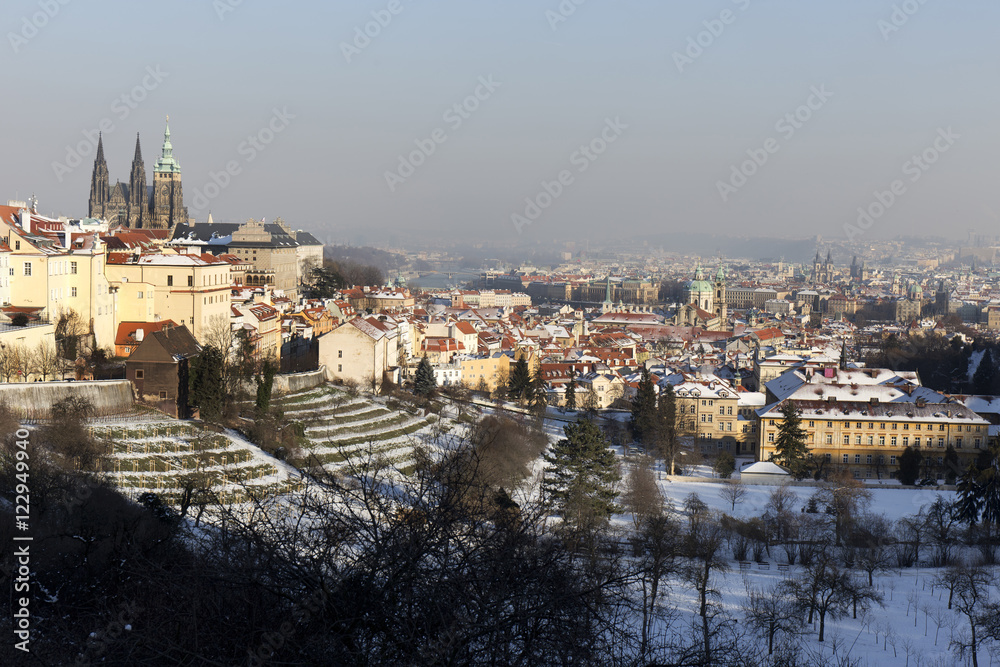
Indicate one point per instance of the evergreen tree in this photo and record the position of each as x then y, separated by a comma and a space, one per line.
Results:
725, 465
207, 392
667, 436
536, 393
581, 476
423, 381
265, 382
520, 380
644, 409
982, 379
571, 391
909, 466
968, 506
790, 448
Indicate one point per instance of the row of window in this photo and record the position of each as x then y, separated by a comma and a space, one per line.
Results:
894, 426
57, 293
869, 440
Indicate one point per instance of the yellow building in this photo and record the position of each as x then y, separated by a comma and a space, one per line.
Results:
866, 428
708, 412
480, 371
51, 279
189, 289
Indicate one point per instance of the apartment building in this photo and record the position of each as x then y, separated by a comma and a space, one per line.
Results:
193, 290
866, 428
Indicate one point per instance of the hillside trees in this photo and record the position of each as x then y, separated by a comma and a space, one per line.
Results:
581, 476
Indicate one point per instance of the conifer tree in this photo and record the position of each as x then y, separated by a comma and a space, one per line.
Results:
667, 436
909, 466
571, 391
536, 393
206, 386
790, 448
644, 409
423, 381
520, 380
581, 475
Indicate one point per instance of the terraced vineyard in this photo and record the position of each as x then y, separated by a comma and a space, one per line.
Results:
339, 427
161, 456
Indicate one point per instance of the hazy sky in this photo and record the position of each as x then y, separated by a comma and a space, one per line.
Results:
535, 81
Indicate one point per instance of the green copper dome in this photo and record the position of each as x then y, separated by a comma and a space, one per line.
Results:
699, 284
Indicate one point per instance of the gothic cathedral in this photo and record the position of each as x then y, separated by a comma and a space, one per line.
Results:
135, 204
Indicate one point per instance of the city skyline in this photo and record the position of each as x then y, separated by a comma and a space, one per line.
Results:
558, 120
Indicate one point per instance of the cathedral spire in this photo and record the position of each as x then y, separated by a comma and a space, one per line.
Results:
167, 163
138, 150
100, 148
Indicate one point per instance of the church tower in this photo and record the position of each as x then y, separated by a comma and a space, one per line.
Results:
168, 199
138, 197
720, 294
99, 190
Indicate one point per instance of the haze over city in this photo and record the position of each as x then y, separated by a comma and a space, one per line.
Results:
693, 86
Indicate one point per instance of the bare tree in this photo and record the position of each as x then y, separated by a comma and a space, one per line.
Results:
24, 362
703, 547
46, 360
972, 593
824, 590
771, 612
734, 491
8, 362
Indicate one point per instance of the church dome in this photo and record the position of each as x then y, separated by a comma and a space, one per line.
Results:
699, 285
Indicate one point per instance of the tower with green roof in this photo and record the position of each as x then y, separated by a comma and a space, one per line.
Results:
168, 197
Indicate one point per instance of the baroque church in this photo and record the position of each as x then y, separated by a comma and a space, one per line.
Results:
136, 205
705, 303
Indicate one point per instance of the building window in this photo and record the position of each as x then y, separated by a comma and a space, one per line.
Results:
845, 458
27, 268
770, 437
940, 442
72, 291
958, 443
868, 459
941, 427
340, 354
729, 411
72, 268
871, 440
17, 245
847, 441
340, 368
892, 441
138, 374
857, 458
722, 410
829, 438
857, 440
190, 281
829, 424
170, 281
892, 460
138, 295
163, 394
976, 444
812, 424
916, 442
881, 441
